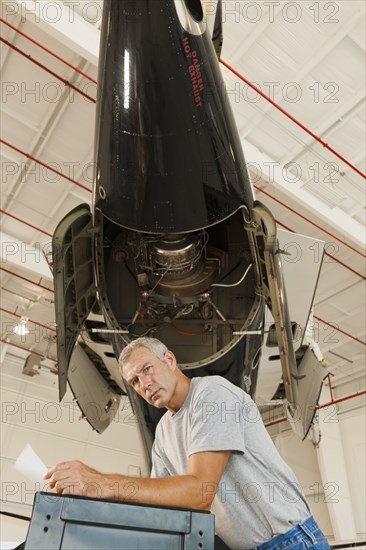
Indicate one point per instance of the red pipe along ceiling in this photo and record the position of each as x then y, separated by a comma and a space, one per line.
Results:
236, 73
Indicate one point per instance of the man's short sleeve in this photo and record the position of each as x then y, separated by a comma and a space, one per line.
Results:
216, 421
158, 468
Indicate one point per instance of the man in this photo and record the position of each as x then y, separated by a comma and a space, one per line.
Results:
211, 452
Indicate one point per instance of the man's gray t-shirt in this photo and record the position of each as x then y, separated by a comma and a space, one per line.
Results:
258, 496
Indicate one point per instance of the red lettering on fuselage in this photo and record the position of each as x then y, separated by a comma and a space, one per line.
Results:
194, 72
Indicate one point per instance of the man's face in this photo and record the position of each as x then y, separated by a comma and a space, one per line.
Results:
153, 379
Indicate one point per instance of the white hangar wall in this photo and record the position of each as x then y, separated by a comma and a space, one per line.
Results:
30, 413
333, 476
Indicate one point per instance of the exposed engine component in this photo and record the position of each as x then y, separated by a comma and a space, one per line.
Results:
175, 255
175, 266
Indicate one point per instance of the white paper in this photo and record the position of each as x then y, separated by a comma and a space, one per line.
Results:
30, 465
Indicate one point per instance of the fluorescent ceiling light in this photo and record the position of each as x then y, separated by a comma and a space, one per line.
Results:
21, 329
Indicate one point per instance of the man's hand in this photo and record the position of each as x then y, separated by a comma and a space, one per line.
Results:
195, 490
77, 479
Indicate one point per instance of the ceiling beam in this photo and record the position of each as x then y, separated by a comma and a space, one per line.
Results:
23, 255
39, 142
274, 173
11, 113
328, 45
258, 30
62, 23
332, 124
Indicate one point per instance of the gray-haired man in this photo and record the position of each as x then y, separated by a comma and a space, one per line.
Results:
211, 452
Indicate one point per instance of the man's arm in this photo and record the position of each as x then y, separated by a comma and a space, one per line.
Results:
196, 490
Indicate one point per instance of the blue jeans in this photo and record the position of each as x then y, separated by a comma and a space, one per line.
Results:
301, 537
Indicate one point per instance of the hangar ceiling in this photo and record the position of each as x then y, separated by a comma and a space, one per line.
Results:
304, 143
